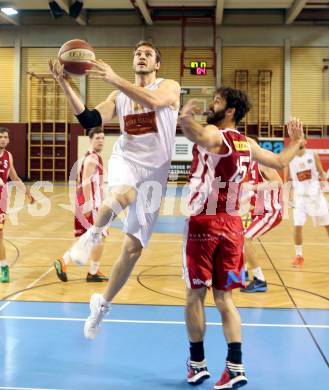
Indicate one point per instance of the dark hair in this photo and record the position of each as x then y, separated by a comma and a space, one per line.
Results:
95, 130
4, 130
235, 98
255, 138
151, 45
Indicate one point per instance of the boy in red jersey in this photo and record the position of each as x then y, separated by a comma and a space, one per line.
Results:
89, 196
7, 170
266, 213
213, 245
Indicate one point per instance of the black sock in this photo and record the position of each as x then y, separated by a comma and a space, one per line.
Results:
234, 354
196, 351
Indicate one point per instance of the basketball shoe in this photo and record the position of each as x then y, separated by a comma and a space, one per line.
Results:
255, 285
233, 377
97, 313
197, 372
298, 261
61, 269
97, 277
5, 274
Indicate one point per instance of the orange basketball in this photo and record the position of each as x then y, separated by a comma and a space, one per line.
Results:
74, 54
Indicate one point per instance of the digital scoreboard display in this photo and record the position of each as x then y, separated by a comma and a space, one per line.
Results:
198, 68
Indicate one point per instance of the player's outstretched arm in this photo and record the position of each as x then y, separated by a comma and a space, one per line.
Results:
166, 95
103, 113
209, 137
58, 73
14, 177
279, 161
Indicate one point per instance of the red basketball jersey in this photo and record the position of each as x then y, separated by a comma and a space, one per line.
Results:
97, 182
265, 200
215, 179
4, 174
4, 166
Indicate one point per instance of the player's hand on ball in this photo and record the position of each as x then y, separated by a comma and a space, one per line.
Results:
57, 71
102, 71
295, 129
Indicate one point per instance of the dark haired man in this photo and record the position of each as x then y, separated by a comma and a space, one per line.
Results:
7, 170
89, 197
140, 161
213, 244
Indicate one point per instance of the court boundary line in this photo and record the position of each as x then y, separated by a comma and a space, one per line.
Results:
27, 388
32, 284
295, 304
159, 322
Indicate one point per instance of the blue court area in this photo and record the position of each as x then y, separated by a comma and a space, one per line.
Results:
145, 347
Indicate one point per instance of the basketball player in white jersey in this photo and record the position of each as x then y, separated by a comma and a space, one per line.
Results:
306, 174
89, 197
147, 112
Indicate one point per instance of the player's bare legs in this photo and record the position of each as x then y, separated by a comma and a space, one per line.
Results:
298, 240
120, 198
194, 314
196, 327
258, 284
3, 262
123, 266
230, 315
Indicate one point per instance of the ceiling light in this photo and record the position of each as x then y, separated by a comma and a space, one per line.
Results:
9, 11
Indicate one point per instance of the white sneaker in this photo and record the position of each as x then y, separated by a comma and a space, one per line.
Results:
81, 250
97, 313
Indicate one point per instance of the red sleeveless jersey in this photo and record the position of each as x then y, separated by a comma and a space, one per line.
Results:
4, 174
265, 200
215, 179
97, 182
4, 166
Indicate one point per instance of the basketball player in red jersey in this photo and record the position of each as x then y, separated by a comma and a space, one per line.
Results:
213, 245
89, 196
7, 170
266, 213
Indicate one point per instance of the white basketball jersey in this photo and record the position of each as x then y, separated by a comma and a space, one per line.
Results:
148, 136
304, 175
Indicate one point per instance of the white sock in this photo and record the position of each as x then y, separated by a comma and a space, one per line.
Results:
94, 267
3, 263
258, 273
104, 302
66, 257
246, 267
299, 250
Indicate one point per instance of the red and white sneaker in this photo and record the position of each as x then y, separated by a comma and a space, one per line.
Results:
197, 372
232, 378
298, 262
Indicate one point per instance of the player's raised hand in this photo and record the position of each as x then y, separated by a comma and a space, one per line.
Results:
102, 71
295, 129
190, 108
57, 70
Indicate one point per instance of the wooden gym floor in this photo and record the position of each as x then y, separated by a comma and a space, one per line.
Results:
34, 242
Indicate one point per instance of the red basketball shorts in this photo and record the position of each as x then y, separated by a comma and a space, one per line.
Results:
213, 252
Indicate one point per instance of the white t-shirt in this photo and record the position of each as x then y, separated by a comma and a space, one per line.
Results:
148, 136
